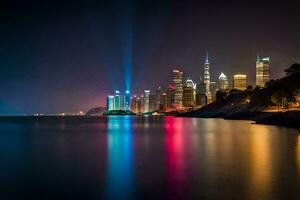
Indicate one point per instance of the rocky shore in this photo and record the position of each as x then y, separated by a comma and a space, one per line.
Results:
289, 119
244, 112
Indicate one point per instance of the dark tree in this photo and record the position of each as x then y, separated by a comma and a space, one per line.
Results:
294, 69
249, 87
220, 96
234, 91
270, 83
257, 88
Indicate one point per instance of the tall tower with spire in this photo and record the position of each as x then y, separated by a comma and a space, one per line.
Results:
206, 78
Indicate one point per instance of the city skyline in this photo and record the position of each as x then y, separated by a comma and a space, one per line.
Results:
259, 81
187, 94
68, 56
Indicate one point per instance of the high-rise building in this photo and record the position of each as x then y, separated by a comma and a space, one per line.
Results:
201, 100
119, 101
262, 71
178, 87
146, 100
158, 95
201, 88
136, 105
152, 102
223, 82
188, 96
110, 103
115, 102
127, 100
190, 83
170, 96
206, 78
140, 105
240, 81
189, 93
164, 101
213, 90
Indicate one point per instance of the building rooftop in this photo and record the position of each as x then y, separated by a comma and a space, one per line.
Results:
222, 76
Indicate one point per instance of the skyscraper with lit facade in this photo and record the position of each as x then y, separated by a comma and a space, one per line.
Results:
110, 103
206, 78
119, 101
170, 95
213, 90
189, 93
115, 102
152, 102
146, 102
178, 87
190, 83
223, 82
240, 81
200, 88
127, 100
164, 101
136, 105
158, 96
188, 96
201, 100
262, 71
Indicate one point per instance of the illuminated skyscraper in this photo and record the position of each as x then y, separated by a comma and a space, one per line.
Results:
127, 100
190, 83
213, 90
164, 101
178, 87
119, 101
189, 93
136, 105
240, 81
146, 100
188, 96
152, 102
158, 96
262, 71
122, 102
170, 96
200, 88
206, 78
115, 102
201, 100
140, 105
223, 82
110, 103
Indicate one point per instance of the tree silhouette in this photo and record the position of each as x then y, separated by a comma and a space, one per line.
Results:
220, 96
277, 98
294, 69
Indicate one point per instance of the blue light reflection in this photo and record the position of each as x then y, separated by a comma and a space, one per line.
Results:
120, 165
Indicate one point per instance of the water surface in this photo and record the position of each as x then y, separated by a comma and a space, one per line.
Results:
149, 158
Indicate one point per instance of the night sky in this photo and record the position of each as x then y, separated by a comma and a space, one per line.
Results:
63, 56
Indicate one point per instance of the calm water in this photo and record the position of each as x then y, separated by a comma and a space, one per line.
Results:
149, 158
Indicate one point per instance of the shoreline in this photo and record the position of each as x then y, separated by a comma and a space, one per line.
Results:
285, 119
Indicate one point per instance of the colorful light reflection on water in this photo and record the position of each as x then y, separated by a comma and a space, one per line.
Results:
149, 158
175, 154
120, 159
